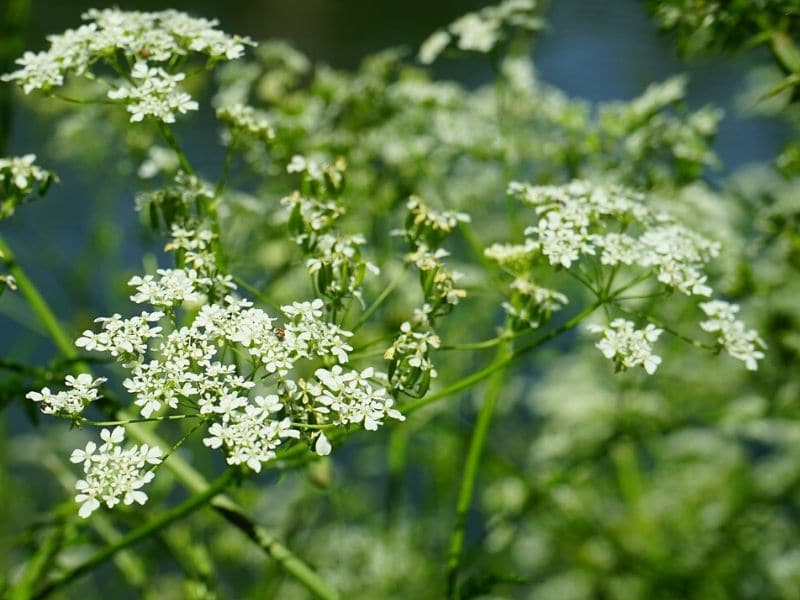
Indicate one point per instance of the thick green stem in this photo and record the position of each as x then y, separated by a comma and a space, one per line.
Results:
476, 445
143, 531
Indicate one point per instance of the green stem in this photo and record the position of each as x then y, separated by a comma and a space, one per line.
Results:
280, 553
379, 300
478, 376
476, 446
258, 294
142, 420
38, 304
39, 564
169, 137
226, 168
143, 531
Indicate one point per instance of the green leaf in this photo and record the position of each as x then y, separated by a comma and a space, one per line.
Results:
786, 51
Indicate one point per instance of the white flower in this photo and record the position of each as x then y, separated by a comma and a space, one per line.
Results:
155, 93
71, 402
112, 474
582, 218
475, 32
738, 341
159, 160
627, 346
322, 446
433, 46
21, 172
352, 399
172, 287
481, 31
249, 435
122, 336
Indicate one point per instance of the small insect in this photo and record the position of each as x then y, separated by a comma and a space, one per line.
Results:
144, 53
280, 333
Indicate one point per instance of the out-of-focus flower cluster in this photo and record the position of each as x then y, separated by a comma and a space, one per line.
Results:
147, 49
21, 180
482, 31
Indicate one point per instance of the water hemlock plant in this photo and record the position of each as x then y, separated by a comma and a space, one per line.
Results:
376, 246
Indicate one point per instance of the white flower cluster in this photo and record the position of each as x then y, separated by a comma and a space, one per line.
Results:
439, 285
409, 357
627, 346
71, 402
154, 93
174, 202
229, 365
246, 119
171, 287
152, 42
248, 430
20, 180
583, 218
338, 259
112, 474
481, 31
352, 398
122, 337
738, 341
190, 285
310, 216
21, 173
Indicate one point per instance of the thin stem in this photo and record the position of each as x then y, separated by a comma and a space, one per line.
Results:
226, 167
478, 376
257, 293
476, 446
177, 445
169, 137
380, 299
483, 344
143, 531
665, 327
82, 100
280, 553
142, 420
38, 304
582, 280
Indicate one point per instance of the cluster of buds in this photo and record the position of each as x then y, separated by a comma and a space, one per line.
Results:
530, 305
21, 180
333, 260
410, 366
186, 198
